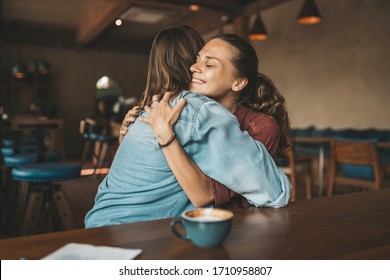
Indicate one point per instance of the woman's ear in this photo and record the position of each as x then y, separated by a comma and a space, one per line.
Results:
239, 84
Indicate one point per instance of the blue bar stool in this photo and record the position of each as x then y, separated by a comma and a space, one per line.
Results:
20, 162
9, 147
39, 178
22, 192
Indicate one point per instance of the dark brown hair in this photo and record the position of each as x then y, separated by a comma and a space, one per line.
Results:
260, 93
173, 51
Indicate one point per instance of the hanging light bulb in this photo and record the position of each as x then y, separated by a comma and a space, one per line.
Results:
258, 31
309, 13
118, 22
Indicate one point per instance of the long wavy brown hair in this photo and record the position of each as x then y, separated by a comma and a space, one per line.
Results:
260, 93
173, 51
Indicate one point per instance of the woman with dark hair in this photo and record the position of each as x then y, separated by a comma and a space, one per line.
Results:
141, 185
268, 120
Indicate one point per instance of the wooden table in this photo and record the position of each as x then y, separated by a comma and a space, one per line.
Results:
52, 126
351, 226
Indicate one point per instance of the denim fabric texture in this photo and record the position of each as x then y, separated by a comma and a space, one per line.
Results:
140, 185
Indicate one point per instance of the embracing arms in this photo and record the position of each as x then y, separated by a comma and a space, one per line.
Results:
197, 185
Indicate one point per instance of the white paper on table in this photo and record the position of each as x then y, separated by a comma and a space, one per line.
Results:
77, 251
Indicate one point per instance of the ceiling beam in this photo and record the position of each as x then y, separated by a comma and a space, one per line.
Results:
100, 19
103, 16
226, 6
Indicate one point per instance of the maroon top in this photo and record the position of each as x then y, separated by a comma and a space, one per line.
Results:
260, 127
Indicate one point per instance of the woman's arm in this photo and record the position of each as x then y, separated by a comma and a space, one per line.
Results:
193, 181
260, 127
269, 136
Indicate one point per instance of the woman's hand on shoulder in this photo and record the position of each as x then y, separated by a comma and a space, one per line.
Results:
162, 116
129, 118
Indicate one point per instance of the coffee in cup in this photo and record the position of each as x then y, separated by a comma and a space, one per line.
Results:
205, 227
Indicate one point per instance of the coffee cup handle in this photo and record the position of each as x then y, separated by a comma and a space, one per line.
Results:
175, 232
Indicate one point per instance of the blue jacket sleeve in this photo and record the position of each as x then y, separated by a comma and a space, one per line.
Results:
230, 156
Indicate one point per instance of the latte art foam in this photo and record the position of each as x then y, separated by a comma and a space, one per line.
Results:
206, 219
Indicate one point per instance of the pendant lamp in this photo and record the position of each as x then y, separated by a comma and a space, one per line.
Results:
258, 31
309, 13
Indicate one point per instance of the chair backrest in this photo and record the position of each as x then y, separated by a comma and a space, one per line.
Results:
359, 153
355, 163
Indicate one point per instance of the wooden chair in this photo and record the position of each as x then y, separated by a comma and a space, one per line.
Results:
354, 163
301, 167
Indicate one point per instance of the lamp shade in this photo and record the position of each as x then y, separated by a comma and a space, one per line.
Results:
258, 31
309, 13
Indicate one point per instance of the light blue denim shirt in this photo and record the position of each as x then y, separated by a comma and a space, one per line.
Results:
140, 185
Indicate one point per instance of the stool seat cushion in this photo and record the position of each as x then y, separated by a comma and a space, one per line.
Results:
91, 136
365, 172
20, 159
23, 141
46, 172
9, 151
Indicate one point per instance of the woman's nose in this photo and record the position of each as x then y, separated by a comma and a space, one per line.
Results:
195, 67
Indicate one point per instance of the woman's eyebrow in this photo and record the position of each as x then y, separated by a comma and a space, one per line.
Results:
211, 57
199, 56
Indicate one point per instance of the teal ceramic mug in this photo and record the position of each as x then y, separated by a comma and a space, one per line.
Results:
205, 227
